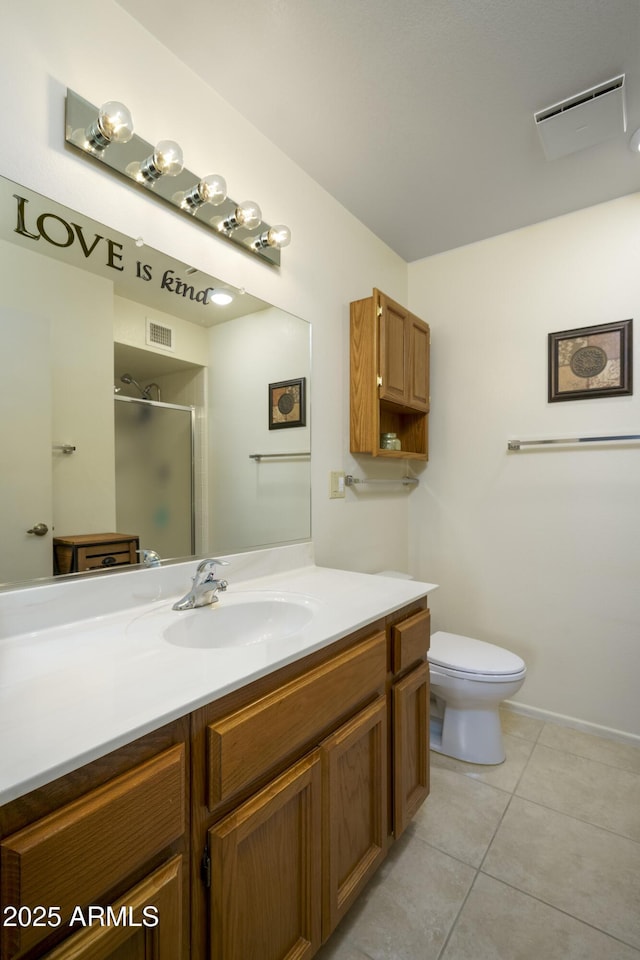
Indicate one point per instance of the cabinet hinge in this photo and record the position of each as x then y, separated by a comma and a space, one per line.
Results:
205, 868
379, 381
379, 311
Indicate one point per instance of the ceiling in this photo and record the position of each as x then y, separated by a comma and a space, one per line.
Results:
417, 115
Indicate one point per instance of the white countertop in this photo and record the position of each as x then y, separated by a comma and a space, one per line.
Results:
79, 688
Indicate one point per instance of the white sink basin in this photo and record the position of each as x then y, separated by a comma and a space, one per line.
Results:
237, 620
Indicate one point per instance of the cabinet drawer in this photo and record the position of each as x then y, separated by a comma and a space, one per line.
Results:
75, 855
246, 744
104, 555
410, 640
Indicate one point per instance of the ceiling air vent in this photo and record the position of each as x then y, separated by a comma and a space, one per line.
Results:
582, 121
159, 335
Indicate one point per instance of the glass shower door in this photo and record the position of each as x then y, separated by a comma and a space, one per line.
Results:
154, 475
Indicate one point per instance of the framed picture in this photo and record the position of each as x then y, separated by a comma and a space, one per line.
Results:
287, 404
591, 362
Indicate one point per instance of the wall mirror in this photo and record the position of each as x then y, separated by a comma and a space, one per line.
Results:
134, 404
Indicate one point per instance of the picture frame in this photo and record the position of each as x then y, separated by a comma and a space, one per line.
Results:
590, 362
287, 404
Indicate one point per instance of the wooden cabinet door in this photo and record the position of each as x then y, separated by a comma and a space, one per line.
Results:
354, 772
265, 871
394, 350
404, 356
410, 745
418, 364
145, 924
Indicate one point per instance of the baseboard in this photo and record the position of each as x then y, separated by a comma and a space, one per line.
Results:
573, 722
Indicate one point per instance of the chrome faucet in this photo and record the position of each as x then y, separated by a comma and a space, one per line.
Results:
149, 557
205, 586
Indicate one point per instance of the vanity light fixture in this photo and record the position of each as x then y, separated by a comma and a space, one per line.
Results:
106, 136
247, 214
113, 124
278, 237
211, 189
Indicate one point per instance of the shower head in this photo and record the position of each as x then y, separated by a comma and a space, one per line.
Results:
127, 378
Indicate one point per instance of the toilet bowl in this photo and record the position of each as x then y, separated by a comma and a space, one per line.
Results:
469, 679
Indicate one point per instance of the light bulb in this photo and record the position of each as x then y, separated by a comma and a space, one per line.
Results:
277, 237
167, 158
247, 214
211, 189
114, 125
166, 161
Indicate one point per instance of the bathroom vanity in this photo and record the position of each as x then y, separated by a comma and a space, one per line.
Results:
234, 805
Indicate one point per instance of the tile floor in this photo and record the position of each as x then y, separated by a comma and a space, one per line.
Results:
535, 859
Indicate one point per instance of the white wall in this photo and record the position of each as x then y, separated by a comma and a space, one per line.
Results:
332, 259
537, 550
256, 502
78, 306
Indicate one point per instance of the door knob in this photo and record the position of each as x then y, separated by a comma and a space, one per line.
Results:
40, 529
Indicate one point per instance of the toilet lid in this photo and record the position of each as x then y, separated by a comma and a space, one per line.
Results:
472, 656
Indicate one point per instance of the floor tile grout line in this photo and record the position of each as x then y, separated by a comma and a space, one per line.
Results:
508, 805
445, 853
457, 916
553, 906
582, 756
493, 835
571, 816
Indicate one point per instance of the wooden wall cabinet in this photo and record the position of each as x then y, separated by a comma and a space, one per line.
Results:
389, 378
298, 783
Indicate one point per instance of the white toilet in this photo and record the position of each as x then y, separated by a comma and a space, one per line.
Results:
469, 679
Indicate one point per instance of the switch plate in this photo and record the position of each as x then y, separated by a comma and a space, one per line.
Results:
336, 484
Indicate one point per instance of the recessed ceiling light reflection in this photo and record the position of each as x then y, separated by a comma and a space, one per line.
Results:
221, 297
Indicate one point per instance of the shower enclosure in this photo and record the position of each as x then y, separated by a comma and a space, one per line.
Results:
154, 474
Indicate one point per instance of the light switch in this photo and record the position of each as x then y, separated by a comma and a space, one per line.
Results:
336, 484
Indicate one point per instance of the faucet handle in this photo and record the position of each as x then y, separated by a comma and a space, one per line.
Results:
208, 567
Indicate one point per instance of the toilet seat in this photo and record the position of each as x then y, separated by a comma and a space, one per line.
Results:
466, 657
